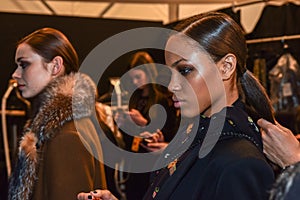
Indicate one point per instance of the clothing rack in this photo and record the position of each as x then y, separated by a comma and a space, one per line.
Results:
271, 39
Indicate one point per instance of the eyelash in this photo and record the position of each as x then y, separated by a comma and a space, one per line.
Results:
23, 64
184, 71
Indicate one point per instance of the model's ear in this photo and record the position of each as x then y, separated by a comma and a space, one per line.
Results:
57, 66
227, 66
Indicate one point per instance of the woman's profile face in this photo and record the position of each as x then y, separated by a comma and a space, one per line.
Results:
32, 73
195, 80
139, 78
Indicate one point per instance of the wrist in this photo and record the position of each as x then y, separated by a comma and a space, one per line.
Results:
294, 158
297, 156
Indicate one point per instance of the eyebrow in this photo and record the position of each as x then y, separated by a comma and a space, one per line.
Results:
177, 62
20, 58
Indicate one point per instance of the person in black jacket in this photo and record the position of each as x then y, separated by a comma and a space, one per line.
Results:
218, 151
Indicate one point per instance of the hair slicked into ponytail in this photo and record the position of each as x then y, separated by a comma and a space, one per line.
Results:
218, 35
50, 42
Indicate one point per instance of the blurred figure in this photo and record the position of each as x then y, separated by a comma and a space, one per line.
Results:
143, 74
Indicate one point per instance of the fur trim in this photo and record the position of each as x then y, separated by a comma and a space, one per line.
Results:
24, 177
28, 146
66, 98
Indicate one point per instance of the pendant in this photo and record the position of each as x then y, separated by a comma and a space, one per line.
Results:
189, 128
172, 167
155, 192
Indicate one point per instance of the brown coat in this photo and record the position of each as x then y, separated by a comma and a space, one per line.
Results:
59, 151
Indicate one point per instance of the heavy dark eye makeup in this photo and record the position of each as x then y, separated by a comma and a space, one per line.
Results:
23, 64
184, 70
138, 76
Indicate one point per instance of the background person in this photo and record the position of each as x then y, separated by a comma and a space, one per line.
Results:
53, 163
143, 75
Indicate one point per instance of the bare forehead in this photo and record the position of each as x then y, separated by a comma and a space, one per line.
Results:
180, 45
180, 40
136, 72
24, 48
25, 51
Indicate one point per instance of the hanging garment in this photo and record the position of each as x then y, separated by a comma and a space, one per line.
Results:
285, 83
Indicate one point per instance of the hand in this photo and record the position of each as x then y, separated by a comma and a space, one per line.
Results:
155, 146
97, 195
153, 137
280, 144
155, 141
124, 118
137, 117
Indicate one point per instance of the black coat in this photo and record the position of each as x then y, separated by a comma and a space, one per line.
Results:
235, 167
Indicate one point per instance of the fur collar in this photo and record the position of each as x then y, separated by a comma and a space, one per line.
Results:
65, 99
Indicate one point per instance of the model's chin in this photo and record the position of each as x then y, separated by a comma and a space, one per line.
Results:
189, 112
26, 95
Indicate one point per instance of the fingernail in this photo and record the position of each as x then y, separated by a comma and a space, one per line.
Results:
90, 197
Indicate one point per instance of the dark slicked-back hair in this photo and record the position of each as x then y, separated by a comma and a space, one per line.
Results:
50, 42
218, 34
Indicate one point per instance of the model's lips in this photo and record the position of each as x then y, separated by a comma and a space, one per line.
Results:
177, 101
21, 86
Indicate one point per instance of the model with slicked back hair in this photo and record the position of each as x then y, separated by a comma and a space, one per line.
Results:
217, 152
59, 144
218, 35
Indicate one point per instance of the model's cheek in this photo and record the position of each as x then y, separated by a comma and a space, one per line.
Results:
31, 90
190, 107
